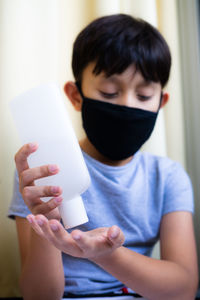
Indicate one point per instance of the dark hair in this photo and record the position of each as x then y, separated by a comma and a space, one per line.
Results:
115, 42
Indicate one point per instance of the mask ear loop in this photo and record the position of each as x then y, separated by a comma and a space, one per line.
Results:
78, 84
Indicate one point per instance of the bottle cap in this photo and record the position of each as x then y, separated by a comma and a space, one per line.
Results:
73, 212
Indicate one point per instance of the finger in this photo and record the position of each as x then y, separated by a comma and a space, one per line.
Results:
82, 240
56, 227
115, 236
63, 239
28, 176
34, 225
58, 236
30, 193
22, 155
58, 230
52, 230
42, 223
44, 207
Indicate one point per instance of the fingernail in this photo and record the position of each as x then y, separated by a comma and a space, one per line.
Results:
32, 145
58, 199
77, 237
53, 168
54, 227
55, 189
114, 233
40, 222
29, 219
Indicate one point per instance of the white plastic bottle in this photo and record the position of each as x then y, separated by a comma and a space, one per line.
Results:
40, 116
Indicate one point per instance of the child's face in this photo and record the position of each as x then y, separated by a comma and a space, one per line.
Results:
128, 88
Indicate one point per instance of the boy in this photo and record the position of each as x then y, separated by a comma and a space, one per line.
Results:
120, 65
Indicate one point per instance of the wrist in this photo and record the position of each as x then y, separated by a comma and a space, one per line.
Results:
107, 258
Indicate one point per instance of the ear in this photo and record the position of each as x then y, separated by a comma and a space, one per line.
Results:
165, 99
73, 95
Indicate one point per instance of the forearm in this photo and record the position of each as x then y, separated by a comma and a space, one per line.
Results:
42, 275
153, 279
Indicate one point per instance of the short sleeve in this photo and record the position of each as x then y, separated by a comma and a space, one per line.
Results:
178, 195
17, 205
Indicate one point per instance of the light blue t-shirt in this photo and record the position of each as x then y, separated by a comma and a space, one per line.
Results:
134, 197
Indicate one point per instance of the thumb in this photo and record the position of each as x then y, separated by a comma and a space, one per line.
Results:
115, 236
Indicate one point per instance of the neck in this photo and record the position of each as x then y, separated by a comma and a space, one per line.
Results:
88, 148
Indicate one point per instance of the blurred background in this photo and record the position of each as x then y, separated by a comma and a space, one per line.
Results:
36, 38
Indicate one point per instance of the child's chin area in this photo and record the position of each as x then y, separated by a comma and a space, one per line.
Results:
89, 149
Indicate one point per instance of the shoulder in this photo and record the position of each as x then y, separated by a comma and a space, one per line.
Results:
162, 162
169, 180
163, 166
171, 177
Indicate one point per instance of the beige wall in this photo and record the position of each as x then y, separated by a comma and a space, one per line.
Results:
167, 22
36, 40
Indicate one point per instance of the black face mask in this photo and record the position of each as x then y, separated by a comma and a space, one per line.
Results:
116, 131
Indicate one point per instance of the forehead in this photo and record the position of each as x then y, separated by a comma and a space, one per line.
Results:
131, 74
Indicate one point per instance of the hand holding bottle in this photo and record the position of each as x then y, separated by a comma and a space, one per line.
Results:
30, 192
40, 115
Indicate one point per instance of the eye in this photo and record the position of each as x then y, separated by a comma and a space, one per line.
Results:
108, 95
144, 98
